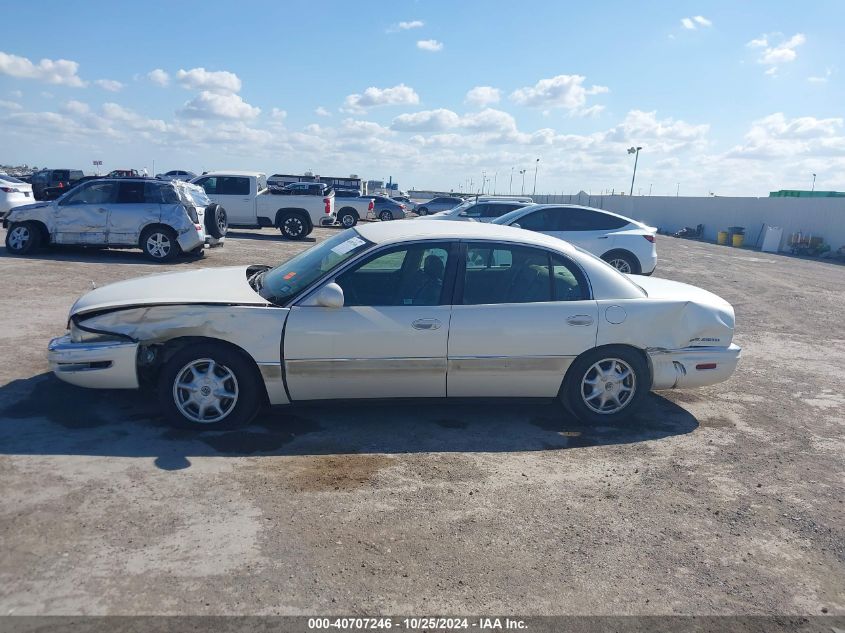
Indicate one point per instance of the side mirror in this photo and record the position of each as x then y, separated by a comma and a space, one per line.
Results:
329, 296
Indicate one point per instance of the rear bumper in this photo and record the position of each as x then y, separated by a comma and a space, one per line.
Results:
692, 366
104, 365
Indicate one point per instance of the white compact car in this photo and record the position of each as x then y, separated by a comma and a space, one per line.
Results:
476, 211
13, 193
624, 243
400, 309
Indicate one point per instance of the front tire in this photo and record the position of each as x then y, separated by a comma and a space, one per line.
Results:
208, 386
606, 385
159, 243
385, 216
422, 211
293, 226
22, 238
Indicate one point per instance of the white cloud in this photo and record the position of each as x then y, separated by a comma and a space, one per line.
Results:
693, 22
159, 77
61, 71
75, 107
374, 97
278, 115
17, 94
482, 96
776, 137
562, 91
407, 26
687, 23
10, 105
430, 45
427, 120
702, 21
783, 52
321, 111
820, 79
773, 55
220, 81
213, 105
363, 129
109, 84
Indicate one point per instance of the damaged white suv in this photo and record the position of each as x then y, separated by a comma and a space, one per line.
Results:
161, 218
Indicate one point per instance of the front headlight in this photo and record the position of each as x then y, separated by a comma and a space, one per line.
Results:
78, 335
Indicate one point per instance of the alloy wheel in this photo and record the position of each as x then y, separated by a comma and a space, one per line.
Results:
608, 386
205, 391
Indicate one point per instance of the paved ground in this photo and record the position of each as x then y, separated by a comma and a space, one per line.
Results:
723, 500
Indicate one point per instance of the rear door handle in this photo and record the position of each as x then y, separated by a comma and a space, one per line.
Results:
426, 324
580, 319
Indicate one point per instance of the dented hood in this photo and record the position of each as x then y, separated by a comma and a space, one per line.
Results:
207, 286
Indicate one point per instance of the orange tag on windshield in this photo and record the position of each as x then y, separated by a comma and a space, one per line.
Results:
290, 275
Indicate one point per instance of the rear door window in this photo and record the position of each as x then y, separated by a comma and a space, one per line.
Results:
232, 186
131, 192
574, 219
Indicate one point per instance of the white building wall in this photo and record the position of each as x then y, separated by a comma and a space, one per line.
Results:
823, 217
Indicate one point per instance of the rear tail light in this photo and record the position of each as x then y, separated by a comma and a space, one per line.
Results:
402, 206
706, 366
61, 185
371, 206
8, 189
650, 238
328, 203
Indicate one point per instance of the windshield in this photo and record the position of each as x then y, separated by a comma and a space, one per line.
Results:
283, 282
462, 207
510, 216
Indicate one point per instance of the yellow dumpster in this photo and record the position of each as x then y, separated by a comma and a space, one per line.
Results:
737, 239
722, 238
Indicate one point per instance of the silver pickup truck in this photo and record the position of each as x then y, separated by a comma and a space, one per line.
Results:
249, 203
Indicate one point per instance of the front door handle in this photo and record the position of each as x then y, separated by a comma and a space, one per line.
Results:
580, 319
426, 324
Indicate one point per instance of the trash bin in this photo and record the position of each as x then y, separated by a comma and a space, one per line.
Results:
722, 238
733, 231
737, 239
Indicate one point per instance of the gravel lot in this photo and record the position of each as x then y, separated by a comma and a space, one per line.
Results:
725, 500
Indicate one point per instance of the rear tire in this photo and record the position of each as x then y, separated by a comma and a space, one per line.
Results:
159, 243
422, 211
606, 385
385, 216
623, 261
208, 386
293, 226
347, 219
23, 238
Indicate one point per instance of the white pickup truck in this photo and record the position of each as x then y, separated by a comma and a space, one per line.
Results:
249, 203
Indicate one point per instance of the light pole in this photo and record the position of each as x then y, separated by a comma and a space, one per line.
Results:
536, 167
495, 178
510, 186
636, 151
483, 180
814, 183
522, 191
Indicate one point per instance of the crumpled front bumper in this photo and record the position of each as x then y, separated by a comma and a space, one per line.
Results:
692, 366
100, 365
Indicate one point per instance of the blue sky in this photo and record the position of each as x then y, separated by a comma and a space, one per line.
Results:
724, 97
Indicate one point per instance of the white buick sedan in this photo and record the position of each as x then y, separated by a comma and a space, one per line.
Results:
400, 309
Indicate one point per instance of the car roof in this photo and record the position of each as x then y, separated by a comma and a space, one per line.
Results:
566, 205
234, 172
392, 232
522, 202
